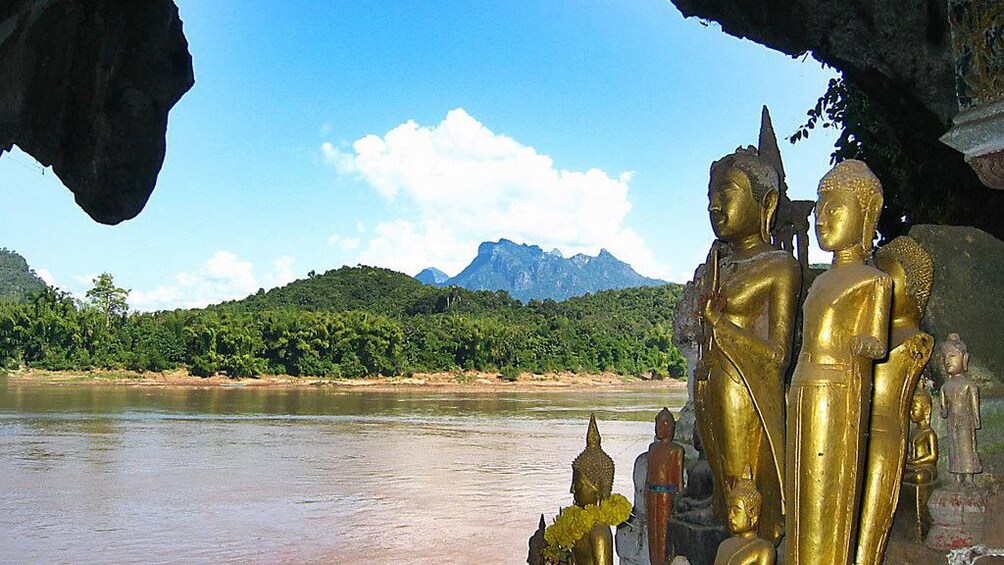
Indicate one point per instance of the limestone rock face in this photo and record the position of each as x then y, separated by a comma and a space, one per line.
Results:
899, 54
879, 44
967, 296
86, 86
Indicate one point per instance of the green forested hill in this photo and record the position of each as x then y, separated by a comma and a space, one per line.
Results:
357, 321
17, 281
372, 289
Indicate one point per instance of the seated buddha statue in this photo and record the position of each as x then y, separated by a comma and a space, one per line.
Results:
922, 461
744, 547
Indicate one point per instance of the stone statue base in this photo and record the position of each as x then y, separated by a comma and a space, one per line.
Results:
698, 542
912, 519
957, 516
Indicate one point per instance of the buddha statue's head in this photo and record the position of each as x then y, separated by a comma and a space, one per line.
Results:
743, 195
850, 201
954, 355
744, 505
665, 425
921, 406
912, 272
592, 470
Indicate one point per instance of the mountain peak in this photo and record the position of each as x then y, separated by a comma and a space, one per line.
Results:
527, 272
432, 276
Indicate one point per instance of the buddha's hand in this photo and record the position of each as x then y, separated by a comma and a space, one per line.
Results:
866, 346
714, 302
919, 346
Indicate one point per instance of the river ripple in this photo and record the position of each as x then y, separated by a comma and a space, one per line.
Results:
139, 475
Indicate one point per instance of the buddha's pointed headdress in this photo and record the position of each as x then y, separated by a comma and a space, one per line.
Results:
594, 463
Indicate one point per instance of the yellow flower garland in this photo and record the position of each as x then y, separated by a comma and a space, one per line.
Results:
574, 522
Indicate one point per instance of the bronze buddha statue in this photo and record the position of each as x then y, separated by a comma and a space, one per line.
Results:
960, 405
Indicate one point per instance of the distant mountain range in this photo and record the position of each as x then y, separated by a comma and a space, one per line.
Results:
528, 272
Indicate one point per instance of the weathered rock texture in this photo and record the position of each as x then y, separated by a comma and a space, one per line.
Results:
899, 54
967, 296
86, 86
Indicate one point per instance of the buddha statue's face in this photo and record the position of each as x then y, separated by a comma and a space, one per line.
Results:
584, 492
956, 362
920, 411
734, 211
839, 220
664, 428
742, 519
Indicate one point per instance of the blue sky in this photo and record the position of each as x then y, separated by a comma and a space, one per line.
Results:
321, 134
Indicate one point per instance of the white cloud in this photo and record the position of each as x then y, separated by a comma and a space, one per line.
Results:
458, 183
283, 273
346, 243
224, 276
46, 276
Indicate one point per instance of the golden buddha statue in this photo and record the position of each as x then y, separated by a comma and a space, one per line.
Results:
921, 473
845, 328
593, 482
744, 547
751, 292
922, 461
662, 483
895, 380
960, 405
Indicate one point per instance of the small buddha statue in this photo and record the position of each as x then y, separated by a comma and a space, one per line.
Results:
895, 380
593, 482
922, 461
920, 474
845, 329
744, 547
665, 475
960, 405
700, 483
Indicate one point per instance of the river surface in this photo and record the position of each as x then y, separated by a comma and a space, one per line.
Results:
115, 474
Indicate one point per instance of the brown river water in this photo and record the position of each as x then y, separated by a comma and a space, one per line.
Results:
114, 474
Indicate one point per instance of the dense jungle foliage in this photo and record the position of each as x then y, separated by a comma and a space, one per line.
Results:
350, 322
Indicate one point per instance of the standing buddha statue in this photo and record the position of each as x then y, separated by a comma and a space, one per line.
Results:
744, 547
662, 483
751, 294
960, 404
845, 329
895, 380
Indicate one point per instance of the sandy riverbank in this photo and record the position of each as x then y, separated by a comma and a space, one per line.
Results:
466, 380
